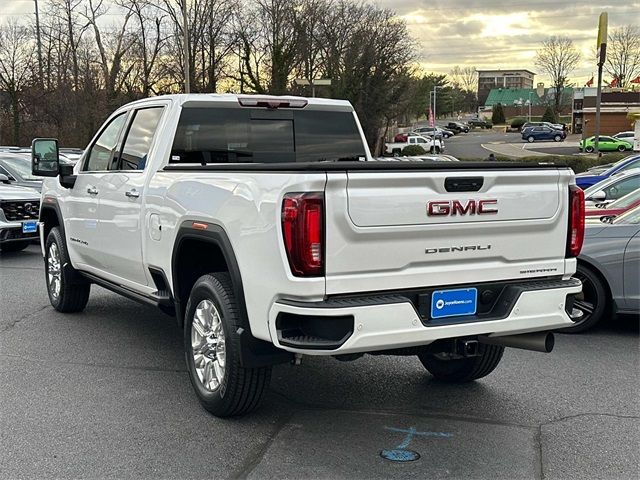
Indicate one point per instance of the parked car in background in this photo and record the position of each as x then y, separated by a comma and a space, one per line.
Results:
479, 123
532, 134
615, 208
427, 143
627, 136
428, 131
597, 174
458, 127
17, 168
556, 126
613, 188
605, 144
19, 210
609, 269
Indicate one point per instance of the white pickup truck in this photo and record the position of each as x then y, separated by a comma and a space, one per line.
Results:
429, 144
264, 225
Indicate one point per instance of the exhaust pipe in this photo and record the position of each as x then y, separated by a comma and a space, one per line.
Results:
538, 341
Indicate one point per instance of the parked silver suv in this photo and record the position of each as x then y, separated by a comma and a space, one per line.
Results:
19, 210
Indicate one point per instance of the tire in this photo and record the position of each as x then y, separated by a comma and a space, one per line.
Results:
593, 301
589, 149
530, 139
396, 153
72, 291
14, 246
224, 388
462, 370
557, 138
621, 148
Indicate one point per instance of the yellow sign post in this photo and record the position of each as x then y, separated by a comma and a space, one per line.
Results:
602, 53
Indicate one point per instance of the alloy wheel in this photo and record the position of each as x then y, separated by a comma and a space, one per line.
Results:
54, 273
587, 300
208, 345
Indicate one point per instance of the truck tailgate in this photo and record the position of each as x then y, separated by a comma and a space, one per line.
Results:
394, 230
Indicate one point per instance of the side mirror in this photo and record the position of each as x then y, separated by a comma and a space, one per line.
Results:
45, 158
4, 178
598, 196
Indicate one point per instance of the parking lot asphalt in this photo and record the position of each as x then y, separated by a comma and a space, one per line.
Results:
105, 394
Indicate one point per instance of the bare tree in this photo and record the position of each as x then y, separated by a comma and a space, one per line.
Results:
465, 78
557, 57
16, 65
623, 54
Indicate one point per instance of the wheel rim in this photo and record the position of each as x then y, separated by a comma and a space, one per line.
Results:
587, 300
208, 345
54, 274
530, 139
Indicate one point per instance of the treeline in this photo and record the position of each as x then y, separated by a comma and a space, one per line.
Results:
63, 75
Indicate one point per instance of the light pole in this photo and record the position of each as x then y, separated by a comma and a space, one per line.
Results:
185, 43
435, 89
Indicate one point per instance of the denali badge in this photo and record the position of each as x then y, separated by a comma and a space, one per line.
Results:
455, 207
461, 248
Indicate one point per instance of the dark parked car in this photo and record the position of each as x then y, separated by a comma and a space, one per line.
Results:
428, 132
478, 122
458, 127
531, 134
17, 168
609, 269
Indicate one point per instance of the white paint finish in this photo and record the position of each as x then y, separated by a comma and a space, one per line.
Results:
534, 311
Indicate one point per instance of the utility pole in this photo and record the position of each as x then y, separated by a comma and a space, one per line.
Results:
185, 31
602, 52
39, 42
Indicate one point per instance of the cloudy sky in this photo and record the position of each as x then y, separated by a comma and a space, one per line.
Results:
484, 33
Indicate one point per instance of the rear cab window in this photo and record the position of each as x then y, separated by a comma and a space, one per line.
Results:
260, 135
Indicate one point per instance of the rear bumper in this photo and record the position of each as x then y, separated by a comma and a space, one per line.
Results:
395, 323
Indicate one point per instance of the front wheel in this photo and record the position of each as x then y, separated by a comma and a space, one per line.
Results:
212, 348
591, 302
589, 149
621, 148
461, 370
557, 138
68, 291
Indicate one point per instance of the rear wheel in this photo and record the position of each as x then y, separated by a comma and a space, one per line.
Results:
530, 139
212, 348
592, 302
461, 370
68, 291
14, 246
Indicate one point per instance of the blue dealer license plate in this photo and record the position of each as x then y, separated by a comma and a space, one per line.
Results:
30, 226
454, 303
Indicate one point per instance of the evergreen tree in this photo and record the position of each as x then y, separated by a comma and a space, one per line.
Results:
549, 115
497, 116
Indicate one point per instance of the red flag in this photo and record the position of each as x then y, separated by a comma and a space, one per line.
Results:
636, 80
590, 82
614, 82
431, 122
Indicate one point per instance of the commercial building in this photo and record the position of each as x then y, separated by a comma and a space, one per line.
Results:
617, 109
491, 79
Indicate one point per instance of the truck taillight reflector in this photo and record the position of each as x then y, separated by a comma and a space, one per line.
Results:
575, 234
302, 228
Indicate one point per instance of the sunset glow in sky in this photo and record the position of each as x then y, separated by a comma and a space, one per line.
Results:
485, 34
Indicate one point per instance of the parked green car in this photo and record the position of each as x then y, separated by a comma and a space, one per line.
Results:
605, 144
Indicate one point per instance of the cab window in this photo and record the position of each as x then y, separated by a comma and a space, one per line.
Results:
139, 137
103, 149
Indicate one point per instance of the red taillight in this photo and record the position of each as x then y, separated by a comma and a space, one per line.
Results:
575, 234
302, 228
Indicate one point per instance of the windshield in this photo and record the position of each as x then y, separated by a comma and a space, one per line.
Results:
626, 201
257, 135
22, 166
630, 217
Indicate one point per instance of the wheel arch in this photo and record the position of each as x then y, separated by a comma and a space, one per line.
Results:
187, 266
597, 271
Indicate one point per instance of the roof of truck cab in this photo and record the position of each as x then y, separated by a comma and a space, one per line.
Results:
230, 98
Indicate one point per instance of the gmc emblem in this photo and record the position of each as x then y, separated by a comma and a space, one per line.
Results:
455, 207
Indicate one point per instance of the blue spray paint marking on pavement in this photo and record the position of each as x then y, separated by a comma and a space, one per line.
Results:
400, 453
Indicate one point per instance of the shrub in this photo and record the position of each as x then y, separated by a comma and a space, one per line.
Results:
497, 116
578, 163
412, 150
518, 123
549, 115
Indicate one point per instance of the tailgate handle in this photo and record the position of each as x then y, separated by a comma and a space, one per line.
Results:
463, 184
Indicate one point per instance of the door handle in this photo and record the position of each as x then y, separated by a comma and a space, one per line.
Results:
133, 193
91, 190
